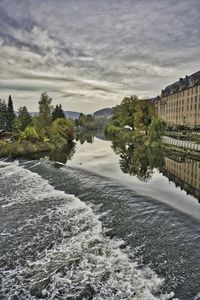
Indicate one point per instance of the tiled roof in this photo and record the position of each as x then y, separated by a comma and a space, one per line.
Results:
182, 84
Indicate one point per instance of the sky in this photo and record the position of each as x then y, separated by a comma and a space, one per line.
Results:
89, 54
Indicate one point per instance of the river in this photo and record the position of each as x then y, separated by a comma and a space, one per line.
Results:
102, 220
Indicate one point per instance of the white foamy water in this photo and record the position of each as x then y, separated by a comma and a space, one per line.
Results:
53, 246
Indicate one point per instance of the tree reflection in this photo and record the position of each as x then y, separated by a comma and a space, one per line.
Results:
86, 137
64, 154
138, 159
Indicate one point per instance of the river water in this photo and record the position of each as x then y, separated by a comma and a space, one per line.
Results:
101, 220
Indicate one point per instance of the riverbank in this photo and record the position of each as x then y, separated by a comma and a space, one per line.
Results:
24, 148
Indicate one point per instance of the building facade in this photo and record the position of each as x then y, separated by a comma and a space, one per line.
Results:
179, 103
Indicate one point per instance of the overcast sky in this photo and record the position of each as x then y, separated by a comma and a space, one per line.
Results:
89, 54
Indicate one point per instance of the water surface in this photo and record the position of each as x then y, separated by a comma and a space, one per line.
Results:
84, 228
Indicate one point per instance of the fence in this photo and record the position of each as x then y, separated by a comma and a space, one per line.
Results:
180, 143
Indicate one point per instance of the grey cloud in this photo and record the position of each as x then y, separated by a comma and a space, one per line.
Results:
98, 51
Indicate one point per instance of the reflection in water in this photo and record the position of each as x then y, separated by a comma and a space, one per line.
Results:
87, 136
185, 172
62, 155
137, 159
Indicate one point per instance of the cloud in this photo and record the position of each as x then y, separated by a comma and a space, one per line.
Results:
95, 51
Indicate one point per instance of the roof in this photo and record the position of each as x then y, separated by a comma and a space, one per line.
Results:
182, 84
152, 100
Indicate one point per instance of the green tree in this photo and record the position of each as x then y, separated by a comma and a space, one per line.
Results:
43, 120
126, 111
10, 114
29, 134
58, 112
23, 119
61, 131
143, 115
45, 109
156, 130
3, 114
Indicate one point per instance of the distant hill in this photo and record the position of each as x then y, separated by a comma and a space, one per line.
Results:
72, 114
105, 112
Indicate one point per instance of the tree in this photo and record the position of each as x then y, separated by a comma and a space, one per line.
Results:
156, 130
3, 114
23, 119
45, 109
61, 131
143, 114
58, 112
10, 114
29, 134
43, 121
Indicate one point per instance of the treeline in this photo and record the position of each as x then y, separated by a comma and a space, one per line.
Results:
7, 114
45, 131
135, 118
89, 122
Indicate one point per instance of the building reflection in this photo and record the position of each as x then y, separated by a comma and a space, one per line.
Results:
139, 160
184, 172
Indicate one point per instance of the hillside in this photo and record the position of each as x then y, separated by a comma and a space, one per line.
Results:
72, 114
105, 112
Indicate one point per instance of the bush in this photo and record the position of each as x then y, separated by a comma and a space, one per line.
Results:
29, 134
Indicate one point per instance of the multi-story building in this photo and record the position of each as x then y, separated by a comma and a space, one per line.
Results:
179, 103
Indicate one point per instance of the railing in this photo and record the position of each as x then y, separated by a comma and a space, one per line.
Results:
180, 143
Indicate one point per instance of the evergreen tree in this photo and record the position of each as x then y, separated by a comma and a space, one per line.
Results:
23, 119
10, 114
58, 112
3, 114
